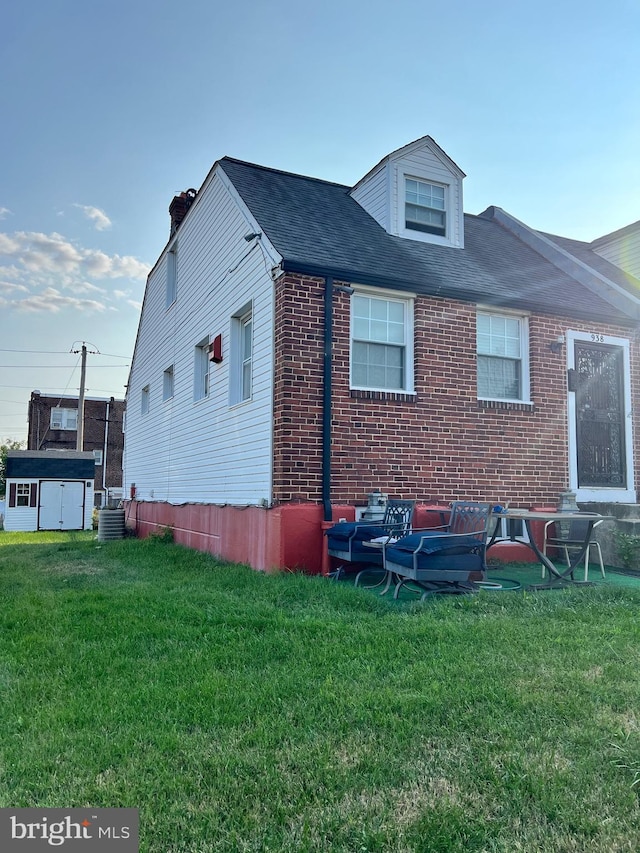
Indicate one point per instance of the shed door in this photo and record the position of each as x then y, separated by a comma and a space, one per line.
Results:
600, 416
61, 505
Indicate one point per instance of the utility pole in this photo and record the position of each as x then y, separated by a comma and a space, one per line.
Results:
83, 373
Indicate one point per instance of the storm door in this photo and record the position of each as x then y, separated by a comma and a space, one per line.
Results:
598, 383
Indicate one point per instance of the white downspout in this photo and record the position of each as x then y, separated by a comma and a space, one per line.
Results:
104, 454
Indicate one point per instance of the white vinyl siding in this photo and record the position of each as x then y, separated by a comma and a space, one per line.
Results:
502, 360
623, 251
373, 195
212, 452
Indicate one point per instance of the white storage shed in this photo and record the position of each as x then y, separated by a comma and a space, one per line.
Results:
49, 490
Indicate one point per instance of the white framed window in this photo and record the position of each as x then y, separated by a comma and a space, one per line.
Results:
145, 396
172, 276
201, 370
23, 494
97, 456
64, 419
242, 355
381, 343
167, 383
425, 207
503, 356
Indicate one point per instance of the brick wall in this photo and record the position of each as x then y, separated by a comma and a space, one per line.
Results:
438, 444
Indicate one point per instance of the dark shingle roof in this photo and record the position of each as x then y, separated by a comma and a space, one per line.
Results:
319, 228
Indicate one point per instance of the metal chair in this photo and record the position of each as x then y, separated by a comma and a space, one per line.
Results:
448, 558
346, 539
576, 532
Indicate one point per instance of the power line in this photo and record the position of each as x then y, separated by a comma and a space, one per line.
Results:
57, 366
58, 352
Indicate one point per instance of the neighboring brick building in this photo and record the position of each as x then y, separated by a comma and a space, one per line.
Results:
53, 425
303, 343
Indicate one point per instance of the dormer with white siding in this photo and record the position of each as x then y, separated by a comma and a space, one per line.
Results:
416, 193
621, 248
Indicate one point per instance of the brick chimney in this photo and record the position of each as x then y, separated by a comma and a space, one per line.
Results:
179, 207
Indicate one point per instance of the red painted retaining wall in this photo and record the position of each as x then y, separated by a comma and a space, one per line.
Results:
289, 537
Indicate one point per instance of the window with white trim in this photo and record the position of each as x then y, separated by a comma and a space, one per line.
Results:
201, 370
242, 355
64, 419
172, 276
502, 353
145, 396
23, 494
97, 457
167, 383
381, 338
425, 207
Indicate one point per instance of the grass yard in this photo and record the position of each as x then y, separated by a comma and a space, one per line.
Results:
248, 712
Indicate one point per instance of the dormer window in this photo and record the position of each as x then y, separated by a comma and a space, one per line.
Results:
425, 207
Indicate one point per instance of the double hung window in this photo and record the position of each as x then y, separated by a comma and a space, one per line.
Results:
502, 351
425, 208
201, 370
381, 337
242, 355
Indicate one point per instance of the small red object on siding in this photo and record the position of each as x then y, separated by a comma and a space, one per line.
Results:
215, 349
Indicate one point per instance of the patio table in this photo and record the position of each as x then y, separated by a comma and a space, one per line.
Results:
556, 576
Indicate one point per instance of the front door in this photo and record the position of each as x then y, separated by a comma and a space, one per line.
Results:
601, 419
61, 505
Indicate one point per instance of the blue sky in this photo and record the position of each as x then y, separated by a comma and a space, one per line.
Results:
110, 109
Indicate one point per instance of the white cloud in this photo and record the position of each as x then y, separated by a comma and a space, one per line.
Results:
4, 212
45, 265
8, 287
95, 215
53, 301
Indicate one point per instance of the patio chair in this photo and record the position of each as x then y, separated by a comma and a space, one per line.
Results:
449, 558
576, 532
346, 539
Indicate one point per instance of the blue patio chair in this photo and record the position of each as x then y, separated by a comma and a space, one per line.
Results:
346, 539
443, 559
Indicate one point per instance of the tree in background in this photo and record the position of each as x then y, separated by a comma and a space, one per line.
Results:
5, 447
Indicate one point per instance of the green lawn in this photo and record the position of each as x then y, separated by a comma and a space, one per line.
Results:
249, 712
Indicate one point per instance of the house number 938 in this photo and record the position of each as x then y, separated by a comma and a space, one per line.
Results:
599, 339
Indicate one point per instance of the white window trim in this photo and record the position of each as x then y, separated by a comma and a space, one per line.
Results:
408, 300
64, 419
168, 383
525, 391
201, 369
238, 320
422, 236
23, 492
171, 291
97, 455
